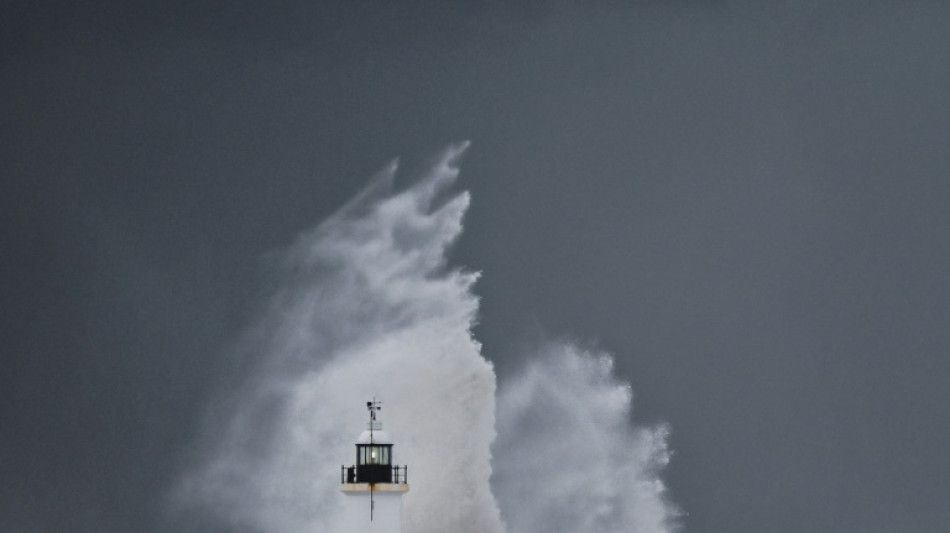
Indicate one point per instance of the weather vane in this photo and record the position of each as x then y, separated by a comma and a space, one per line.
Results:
373, 406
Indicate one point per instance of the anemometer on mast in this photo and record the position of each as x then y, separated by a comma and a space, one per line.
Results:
373, 406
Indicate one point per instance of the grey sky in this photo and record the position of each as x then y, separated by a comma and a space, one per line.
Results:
745, 202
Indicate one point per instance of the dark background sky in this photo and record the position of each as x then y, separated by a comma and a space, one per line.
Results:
746, 202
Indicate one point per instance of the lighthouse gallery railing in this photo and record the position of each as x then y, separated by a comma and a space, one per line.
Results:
350, 474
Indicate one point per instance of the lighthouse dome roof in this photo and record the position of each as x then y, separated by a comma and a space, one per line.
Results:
377, 436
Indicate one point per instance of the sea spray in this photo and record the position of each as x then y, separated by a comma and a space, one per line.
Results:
367, 306
568, 458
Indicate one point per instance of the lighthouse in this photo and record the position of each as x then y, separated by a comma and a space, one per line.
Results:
373, 487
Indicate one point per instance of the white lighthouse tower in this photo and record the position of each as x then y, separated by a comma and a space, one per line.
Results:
374, 486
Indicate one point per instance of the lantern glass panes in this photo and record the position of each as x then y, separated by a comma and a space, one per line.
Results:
374, 455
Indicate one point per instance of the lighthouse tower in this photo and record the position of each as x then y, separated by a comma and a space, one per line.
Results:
373, 487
